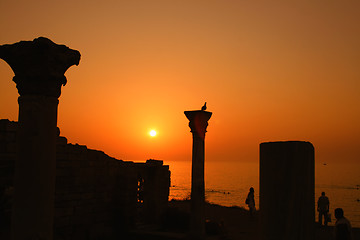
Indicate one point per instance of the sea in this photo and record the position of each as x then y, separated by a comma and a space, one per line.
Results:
227, 183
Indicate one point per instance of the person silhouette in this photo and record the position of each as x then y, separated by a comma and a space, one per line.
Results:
323, 208
342, 226
250, 201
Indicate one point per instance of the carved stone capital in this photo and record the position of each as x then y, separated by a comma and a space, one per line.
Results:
39, 65
198, 121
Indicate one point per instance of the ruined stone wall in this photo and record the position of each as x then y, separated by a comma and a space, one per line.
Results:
155, 191
94, 193
96, 196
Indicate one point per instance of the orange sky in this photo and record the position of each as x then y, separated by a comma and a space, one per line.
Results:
269, 70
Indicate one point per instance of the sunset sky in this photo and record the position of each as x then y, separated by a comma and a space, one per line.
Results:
268, 70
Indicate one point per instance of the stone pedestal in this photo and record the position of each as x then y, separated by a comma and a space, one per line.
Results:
198, 124
39, 68
287, 186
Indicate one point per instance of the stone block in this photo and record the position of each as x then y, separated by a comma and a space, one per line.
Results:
98, 230
7, 137
87, 202
68, 197
83, 219
65, 203
3, 148
84, 209
11, 147
75, 156
98, 208
60, 222
84, 163
62, 157
61, 212
60, 148
104, 217
64, 232
64, 181
66, 172
153, 162
89, 195
7, 157
96, 163
287, 187
61, 141
8, 126
11, 137
86, 172
92, 155
67, 164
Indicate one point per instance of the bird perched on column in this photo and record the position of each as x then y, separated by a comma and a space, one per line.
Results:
203, 108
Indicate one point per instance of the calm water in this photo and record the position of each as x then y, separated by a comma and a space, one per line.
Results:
227, 183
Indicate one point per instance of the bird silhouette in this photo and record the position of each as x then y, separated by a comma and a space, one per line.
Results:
203, 108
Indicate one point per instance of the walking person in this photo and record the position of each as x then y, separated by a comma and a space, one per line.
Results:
250, 201
323, 208
342, 226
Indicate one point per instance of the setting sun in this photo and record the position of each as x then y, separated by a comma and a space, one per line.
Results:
152, 133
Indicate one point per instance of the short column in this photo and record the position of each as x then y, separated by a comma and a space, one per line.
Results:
287, 185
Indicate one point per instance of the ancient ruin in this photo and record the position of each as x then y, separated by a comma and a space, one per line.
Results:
287, 186
96, 196
198, 124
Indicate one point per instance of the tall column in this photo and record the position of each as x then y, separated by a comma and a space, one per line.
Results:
287, 184
198, 124
39, 68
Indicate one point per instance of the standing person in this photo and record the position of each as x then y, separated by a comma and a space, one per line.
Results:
342, 226
250, 201
323, 208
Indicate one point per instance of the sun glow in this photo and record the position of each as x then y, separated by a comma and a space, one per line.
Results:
152, 133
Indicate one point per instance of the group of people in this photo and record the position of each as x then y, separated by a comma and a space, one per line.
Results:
342, 225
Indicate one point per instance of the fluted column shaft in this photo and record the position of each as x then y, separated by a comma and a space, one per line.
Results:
35, 173
287, 183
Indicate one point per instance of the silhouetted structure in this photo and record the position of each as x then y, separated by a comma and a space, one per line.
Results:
287, 186
198, 124
96, 196
39, 68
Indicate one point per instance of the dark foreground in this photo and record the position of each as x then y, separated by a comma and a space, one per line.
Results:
226, 223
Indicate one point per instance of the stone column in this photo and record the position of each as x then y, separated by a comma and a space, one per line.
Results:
198, 124
287, 186
39, 68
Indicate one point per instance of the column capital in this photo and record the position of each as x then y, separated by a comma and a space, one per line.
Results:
198, 121
39, 65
